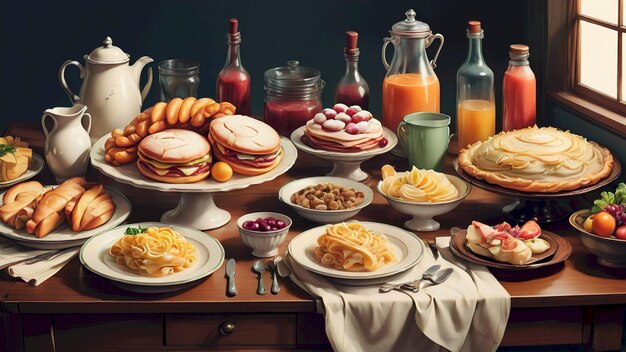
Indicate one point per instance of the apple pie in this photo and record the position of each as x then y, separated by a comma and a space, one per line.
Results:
534, 159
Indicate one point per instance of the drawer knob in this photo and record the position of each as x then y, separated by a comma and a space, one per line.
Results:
226, 328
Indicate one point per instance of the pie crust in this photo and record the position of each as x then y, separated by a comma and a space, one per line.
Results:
533, 159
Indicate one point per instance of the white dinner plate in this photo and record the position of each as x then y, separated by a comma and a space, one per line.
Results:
296, 138
95, 256
34, 167
63, 236
407, 248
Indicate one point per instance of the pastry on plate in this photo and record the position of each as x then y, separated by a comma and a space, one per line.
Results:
14, 158
534, 159
175, 156
249, 146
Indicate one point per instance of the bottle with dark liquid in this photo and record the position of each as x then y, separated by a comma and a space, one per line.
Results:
233, 82
352, 88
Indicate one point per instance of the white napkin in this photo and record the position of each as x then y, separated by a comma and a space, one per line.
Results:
359, 318
12, 257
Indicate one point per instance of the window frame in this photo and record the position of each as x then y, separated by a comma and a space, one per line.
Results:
562, 72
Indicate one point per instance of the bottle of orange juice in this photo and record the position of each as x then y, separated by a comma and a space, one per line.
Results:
410, 84
476, 109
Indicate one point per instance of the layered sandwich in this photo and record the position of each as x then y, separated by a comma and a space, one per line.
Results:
175, 156
249, 146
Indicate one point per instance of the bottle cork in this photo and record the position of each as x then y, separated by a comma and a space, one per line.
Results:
473, 26
518, 49
352, 38
234, 26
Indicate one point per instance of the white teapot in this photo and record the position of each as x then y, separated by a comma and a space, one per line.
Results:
110, 87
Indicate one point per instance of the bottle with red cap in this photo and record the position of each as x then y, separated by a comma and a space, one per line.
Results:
476, 109
519, 91
233, 82
352, 88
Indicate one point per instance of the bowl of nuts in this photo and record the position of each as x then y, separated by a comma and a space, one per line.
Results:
326, 199
263, 232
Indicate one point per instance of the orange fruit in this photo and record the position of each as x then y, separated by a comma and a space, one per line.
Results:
603, 224
221, 171
387, 170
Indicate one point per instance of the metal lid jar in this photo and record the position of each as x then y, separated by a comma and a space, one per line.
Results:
293, 95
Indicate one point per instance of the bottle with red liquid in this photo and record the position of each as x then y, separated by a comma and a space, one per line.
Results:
293, 95
352, 88
519, 91
233, 82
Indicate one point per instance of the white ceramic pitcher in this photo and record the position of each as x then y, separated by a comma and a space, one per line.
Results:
67, 142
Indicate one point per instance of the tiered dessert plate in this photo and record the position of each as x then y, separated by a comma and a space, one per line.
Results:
34, 168
196, 207
63, 237
346, 165
407, 248
544, 207
94, 255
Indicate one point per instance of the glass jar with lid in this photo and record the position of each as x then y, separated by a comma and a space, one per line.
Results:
293, 95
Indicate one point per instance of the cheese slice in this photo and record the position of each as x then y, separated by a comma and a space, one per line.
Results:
160, 165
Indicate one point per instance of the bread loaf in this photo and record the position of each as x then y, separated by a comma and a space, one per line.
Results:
18, 203
90, 209
49, 211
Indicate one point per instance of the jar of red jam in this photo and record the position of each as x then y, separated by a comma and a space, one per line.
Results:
293, 95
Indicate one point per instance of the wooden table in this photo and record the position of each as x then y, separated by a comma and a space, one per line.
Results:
576, 302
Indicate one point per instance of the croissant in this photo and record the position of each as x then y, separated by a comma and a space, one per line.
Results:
19, 202
48, 213
189, 113
90, 209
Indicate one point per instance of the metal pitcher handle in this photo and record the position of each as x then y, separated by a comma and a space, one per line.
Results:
386, 41
146, 88
73, 97
430, 40
43, 123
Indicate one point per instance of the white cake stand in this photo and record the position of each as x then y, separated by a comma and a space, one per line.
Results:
346, 165
196, 207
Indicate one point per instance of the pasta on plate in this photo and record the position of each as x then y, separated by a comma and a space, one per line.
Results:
351, 247
157, 251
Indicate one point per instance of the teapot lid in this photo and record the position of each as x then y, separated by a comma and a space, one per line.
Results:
108, 54
411, 27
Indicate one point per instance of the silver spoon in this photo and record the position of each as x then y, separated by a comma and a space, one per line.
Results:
259, 268
436, 279
428, 273
272, 269
282, 267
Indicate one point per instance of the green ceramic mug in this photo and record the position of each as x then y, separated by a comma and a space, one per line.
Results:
425, 137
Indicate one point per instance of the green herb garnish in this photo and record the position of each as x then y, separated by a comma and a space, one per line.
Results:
132, 231
5, 148
607, 198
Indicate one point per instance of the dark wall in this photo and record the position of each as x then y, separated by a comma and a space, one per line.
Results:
38, 36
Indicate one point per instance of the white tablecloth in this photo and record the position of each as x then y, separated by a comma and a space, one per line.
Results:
468, 312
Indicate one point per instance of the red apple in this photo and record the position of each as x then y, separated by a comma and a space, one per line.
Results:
621, 232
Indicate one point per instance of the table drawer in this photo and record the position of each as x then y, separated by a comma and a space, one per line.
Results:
230, 329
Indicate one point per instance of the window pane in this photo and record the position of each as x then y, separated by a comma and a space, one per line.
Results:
598, 58
601, 9
623, 66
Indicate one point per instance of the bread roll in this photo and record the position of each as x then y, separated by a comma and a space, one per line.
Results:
48, 213
18, 201
90, 209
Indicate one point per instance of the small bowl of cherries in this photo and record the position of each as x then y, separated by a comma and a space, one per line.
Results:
263, 232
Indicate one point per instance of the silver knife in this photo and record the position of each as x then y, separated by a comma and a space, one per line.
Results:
231, 290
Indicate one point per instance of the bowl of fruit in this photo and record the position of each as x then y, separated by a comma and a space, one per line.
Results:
603, 228
263, 232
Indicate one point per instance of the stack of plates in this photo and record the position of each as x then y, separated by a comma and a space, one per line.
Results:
407, 248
